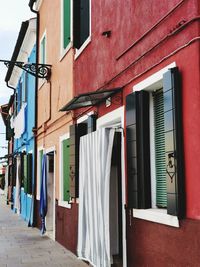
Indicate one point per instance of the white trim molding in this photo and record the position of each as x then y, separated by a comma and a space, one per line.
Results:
113, 119
44, 35
25, 51
49, 150
154, 81
151, 84
156, 215
61, 202
38, 173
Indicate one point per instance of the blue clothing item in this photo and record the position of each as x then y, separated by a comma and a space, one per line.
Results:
43, 194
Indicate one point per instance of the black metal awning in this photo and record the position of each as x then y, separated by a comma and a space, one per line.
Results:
90, 99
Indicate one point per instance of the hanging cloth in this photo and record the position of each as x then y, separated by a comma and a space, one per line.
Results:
17, 204
43, 194
94, 186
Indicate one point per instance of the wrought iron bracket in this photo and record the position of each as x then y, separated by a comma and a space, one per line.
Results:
38, 70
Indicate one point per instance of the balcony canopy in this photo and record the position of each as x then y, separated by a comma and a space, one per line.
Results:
89, 99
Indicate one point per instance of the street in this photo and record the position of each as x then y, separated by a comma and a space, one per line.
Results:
22, 246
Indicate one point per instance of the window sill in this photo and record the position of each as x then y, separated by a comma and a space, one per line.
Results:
84, 45
157, 216
64, 204
65, 51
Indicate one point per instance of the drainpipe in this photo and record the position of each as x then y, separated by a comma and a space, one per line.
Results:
13, 88
31, 3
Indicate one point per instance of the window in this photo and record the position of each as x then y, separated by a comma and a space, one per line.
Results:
15, 104
27, 173
43, 50
24, 87
154, 147
65, 25
39, 174
81, 22
20, 94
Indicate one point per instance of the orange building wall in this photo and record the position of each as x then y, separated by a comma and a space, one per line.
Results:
54, 94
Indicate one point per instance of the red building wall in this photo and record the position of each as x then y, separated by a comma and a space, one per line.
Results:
67, 226
175, 39
128, 23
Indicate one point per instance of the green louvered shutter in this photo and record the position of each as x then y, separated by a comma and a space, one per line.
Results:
159, 135
66, 23
65, 151
25, 174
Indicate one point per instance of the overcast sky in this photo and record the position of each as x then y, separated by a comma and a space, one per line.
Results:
12, 13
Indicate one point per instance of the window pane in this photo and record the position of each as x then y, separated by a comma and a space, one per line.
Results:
85, 20
159, 135
81, 22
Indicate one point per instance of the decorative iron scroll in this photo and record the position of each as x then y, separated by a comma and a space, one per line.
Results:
38, 70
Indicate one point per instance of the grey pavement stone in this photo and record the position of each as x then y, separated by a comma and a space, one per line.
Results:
22, 246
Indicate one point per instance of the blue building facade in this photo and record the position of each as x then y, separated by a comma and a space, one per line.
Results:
25, 92
23, 121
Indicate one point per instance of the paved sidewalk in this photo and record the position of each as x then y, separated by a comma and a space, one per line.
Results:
22, 246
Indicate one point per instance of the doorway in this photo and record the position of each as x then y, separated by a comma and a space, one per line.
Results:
116, 227
50, 195
115, 119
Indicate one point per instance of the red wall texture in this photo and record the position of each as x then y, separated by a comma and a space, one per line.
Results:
67, 227
128, 22
154, 245
175, 39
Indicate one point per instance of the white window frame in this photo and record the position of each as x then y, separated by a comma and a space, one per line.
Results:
111, 119
61, 202
153, 83
46, 151
88, 40
24, 88
38, 172
64, 51
41, 40
38, 4
42, 81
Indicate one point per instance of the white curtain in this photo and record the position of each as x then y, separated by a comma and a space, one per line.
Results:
19, 122
17, 204
94, 186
